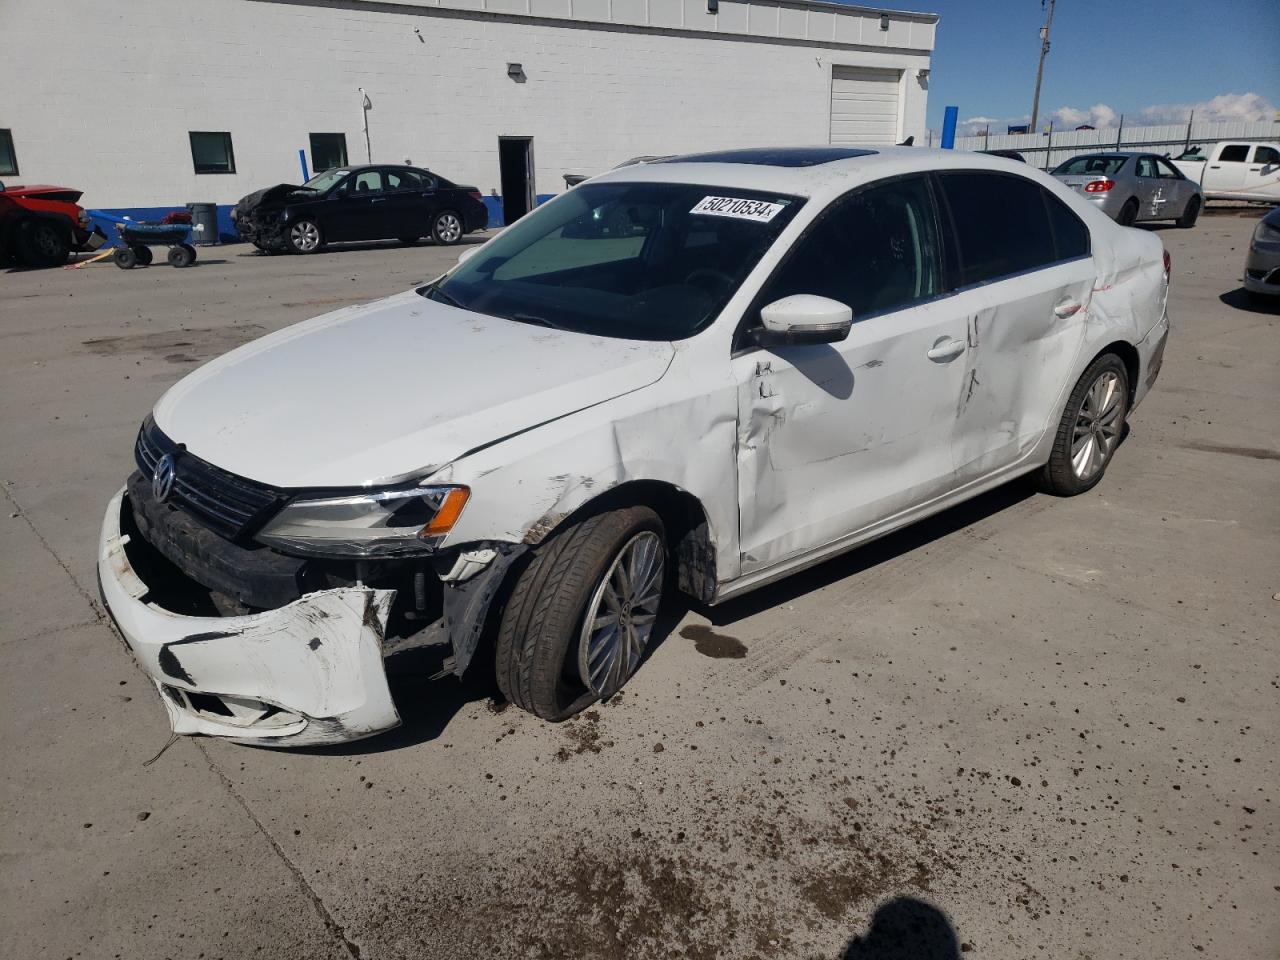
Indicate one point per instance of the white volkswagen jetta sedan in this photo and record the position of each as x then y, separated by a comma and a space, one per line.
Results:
700, 375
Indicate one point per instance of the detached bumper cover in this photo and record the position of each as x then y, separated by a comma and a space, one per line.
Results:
307, 673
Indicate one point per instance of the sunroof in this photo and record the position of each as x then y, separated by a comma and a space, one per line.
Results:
776, 156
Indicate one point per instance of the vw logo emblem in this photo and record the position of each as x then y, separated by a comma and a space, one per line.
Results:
162, 478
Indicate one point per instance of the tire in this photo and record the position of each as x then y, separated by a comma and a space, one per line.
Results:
305, 237
1128, 213
181, 255
447, 228
144, 255
1190, 214
544, 654
408, 241
1086, 441
43, 243
126, 258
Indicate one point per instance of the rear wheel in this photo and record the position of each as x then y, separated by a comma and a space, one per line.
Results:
1090, 430
43, 243
1190, 214
446, 229
1128, 213
182, 255
581, 614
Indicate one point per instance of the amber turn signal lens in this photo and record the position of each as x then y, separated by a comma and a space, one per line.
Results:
448, 514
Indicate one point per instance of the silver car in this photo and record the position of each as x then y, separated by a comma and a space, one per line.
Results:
1262, 265
1130, 187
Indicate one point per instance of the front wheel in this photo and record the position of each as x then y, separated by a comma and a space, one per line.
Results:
1190, 214
43, 243
1090, 430
1128, 213
446, 228
582, 612
304, 237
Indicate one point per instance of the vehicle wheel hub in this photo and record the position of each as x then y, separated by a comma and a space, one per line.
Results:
1098, 424
620, 617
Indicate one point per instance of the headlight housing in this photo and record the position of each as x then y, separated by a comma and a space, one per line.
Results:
1266, 233
375, 525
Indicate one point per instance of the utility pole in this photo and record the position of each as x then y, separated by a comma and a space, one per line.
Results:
1044, 51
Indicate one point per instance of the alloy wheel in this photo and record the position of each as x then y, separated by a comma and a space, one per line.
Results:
305, 236
620, 617
448, 228
1097, 429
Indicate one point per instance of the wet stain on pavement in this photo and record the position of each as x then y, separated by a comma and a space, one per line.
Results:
718, 646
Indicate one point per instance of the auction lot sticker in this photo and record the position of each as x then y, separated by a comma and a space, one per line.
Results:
757, 210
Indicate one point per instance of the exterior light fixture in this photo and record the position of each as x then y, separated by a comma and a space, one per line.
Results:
516, 72
884, 21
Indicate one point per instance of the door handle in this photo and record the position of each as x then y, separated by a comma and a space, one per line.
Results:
1068, 307
378, 200
946, 349
1214, 166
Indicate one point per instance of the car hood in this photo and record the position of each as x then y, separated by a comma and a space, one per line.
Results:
43, 191
392, 389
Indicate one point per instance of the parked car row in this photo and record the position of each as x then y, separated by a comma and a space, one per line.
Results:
376, 202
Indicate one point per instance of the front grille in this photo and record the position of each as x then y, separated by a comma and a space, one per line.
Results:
224, 502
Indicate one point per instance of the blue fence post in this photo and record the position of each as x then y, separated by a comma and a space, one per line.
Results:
302, 160
949, 119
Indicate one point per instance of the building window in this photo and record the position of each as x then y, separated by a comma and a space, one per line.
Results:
328, 150
211, 152
8, 159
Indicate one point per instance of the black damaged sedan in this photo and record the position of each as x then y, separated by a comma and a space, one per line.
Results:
376, 202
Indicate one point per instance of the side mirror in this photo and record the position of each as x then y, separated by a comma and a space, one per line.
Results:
805, 318
468, 253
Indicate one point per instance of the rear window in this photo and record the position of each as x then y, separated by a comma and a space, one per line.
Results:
1100, 165
1001, 225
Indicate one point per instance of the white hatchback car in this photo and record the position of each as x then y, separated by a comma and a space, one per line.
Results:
699, 374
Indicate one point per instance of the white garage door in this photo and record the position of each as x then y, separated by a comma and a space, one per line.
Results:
864, 105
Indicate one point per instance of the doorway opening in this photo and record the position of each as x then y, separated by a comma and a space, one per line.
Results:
515, 170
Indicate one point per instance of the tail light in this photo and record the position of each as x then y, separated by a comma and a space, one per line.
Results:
1168, 266
1099, 186
476, 196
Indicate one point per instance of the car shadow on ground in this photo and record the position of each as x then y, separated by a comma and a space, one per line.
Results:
1241, 299
368, 246
906, 929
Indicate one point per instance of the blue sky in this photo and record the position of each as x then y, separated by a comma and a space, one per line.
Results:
1129, 55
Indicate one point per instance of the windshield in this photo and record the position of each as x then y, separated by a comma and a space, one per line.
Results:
323, 181
640, 261
1105, 166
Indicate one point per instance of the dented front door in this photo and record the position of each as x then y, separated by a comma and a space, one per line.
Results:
834, 438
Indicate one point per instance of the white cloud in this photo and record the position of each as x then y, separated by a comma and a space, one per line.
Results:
1227, 106
1099, 115
975, 125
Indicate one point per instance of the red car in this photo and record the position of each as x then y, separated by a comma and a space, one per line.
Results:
40, 225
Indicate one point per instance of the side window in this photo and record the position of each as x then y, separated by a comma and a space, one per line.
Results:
1266, 155
403, 180
1070, 235
367, 181
1234, 153
875, 251
8, 159
1000, 223
1147, 167
1166, 171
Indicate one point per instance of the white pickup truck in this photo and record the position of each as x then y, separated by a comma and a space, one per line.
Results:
1234, 171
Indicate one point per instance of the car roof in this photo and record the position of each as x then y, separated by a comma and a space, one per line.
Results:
806, 171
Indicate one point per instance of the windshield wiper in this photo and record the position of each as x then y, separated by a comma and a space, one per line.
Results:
536, 321
435, 293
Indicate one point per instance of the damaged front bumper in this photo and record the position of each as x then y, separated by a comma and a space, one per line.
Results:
310, 672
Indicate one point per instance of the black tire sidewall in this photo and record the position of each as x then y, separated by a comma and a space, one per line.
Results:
125, 258
1127, 219
538, 635
1191, 214
1057, 477
29, 247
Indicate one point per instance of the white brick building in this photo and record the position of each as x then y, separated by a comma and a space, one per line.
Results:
597, 82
